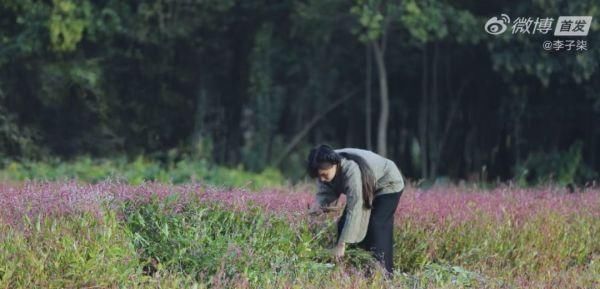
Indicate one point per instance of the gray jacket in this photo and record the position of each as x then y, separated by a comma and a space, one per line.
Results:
388, 179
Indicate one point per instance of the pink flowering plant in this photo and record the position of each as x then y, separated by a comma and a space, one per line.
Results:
111, 234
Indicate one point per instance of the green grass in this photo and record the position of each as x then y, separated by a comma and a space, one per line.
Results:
140, 170
167, 244
67, 252
547, 248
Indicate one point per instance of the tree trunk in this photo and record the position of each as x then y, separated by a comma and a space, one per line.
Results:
348, 132
435, 116
594, 145
384, 100
423, 112
199, 116
368, 97
521, 102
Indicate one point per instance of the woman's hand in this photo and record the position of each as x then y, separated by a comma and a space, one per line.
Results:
339, 250
315, 209
331, 209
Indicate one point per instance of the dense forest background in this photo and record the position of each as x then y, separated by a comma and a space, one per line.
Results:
255, 84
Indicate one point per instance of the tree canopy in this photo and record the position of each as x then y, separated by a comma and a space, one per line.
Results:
259, 82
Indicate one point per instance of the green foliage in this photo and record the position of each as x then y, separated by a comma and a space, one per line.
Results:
312, 20
424, 20
431, 21
267, 100
547, 68
65, 83
204, 238
15, 140
67, 23
115, 77
140, 170
566, 167
262, 247
23, 31
447, 274
503, 246
167, 244
371, 17
67, 252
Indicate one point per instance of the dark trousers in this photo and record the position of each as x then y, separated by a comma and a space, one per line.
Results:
380, 233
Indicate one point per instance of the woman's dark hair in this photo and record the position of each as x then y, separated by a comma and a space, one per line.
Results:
324, 156
321, 157
367, 178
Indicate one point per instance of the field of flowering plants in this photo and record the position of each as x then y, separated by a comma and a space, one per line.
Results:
114, 235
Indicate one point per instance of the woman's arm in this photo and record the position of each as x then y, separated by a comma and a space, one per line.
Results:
324, 199
357, 217
325, 195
